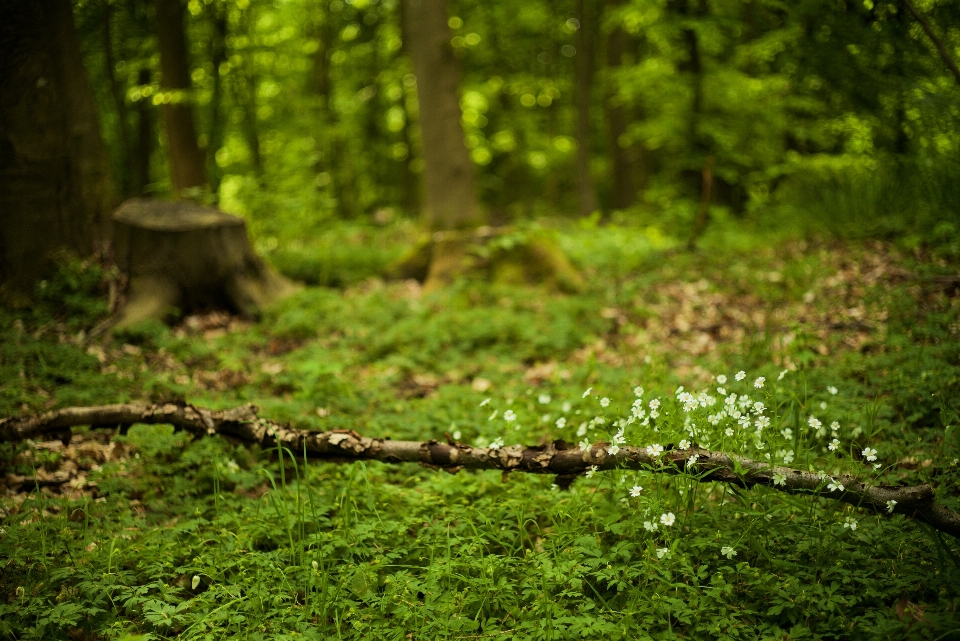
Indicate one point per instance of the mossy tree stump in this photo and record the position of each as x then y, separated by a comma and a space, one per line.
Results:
180, 256
498, 254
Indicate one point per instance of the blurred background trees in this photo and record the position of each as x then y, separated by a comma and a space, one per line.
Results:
670, 112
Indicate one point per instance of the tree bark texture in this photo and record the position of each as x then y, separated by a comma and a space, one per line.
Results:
450, 196
55, 187
181, 255
244, 425
583, 85
187, 161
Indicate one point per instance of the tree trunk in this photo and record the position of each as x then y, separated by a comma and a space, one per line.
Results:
218, 56
187, 162
145, 138
558, 458
180, 257
623, 189
55, 188
450, 197
118, 95
583, 82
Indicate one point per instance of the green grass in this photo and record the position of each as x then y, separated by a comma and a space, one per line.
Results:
370, 551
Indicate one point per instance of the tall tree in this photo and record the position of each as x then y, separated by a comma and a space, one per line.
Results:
55, 187
187, 161
583, 85
124, 176
450, 197
622, 188
218, 57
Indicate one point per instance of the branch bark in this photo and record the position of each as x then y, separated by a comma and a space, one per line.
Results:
941, 49
566, 461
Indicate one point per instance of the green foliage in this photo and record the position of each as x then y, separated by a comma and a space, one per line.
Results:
197, 539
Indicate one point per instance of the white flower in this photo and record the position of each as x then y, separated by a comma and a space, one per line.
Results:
635, 491
484, 402
668, 519
582, 429
787, 457
684, 444
638, 391
740, 375
759, 382
457, 435
604, 402
890, 505
693, 459
654, 413
591, 471
655, 450
613, 449
823, 405
762, 422
585, 445
876, 466
779, 478
713, 419
833, 390
870, 454
730, 400
834, 445
721, 379
729, 431
663, 552
544, 399
834, 426
509, 416
494, 415
586, 392
787, 433
497, 444
195, 582
814, 423
722, 391
782, 374
654, 404
851, 523
650, 526
728, 551
835, 486
561, 422
566, 406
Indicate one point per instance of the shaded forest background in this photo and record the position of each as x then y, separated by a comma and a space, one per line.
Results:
306, 111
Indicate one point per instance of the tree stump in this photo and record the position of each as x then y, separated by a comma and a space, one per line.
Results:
180, 256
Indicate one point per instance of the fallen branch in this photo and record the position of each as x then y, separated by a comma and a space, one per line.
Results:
243, 424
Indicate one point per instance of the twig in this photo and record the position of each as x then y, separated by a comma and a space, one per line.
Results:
559, 458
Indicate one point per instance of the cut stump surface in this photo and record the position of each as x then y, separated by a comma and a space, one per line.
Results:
180, 256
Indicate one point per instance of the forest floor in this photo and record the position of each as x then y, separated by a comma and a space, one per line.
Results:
151, 534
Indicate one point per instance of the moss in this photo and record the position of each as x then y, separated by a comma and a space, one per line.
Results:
500, 255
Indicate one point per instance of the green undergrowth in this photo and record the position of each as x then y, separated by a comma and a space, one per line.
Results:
202, 539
